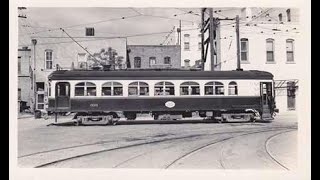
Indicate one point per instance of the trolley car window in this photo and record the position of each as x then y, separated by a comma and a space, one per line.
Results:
214, 88
164, 89
85, 89
112, 89
138, 89
233, 88
49, 89
62, 90
189, 88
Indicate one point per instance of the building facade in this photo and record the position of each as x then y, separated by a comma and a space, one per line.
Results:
191, 47
24, 77
269, 41
50, 54
154, 56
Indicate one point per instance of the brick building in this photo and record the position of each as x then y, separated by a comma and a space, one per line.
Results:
154, 56
64, 53
24, 80
269, 40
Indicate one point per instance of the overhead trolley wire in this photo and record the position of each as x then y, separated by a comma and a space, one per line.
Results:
108, 20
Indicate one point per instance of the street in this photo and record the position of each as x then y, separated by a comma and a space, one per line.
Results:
165, 146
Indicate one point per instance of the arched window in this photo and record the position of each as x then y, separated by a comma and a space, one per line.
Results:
189, 88
48, 57
214, 88
186, 37
288, 15
244, 49
85, 89
290, 49
187, 42
164, 89
270, 50
138, 89
280, 17
167, 60
137, 62
112, 89
233, 88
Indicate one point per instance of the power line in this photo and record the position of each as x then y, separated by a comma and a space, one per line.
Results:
188, 12
67, 52
114, 19
219, 14
117, 37
97, 22
164, 17
103, 38
80, 45
168, 35
136, 11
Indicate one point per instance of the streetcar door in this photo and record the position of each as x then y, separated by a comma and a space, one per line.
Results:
266, 97
62, 95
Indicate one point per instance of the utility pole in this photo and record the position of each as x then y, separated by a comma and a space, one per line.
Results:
34, 42
238, 44
202, 40
210, 24
180, 32
212, 30
128, 63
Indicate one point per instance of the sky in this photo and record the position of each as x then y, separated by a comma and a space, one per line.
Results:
42, 22
107, 22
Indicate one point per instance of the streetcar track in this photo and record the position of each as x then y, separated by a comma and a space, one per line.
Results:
220, 158
127, 146
117, 148
75, 146
127, 160
268, 152
64, 148
83, 145
194, 151
213, 143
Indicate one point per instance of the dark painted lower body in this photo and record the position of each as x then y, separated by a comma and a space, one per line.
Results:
154, 104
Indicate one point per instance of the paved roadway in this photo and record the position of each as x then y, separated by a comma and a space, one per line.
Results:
199, 145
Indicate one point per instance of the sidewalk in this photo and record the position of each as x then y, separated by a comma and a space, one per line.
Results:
288, 114
25, 115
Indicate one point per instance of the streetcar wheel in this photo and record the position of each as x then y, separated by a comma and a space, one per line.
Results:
109, 119
156, 117
131, 116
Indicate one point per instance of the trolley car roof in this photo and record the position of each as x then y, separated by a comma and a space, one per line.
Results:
156, 75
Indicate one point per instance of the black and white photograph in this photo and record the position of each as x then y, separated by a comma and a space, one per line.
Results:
160, 88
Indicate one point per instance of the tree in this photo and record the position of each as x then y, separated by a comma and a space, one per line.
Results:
105, 58
119, 62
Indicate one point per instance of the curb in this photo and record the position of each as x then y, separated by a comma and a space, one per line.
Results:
25, 117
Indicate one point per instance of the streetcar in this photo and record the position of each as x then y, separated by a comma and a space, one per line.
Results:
102, 97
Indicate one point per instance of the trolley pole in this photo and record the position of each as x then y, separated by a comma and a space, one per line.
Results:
238, 44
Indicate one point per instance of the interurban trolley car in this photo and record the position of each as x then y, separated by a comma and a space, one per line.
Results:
105, 96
